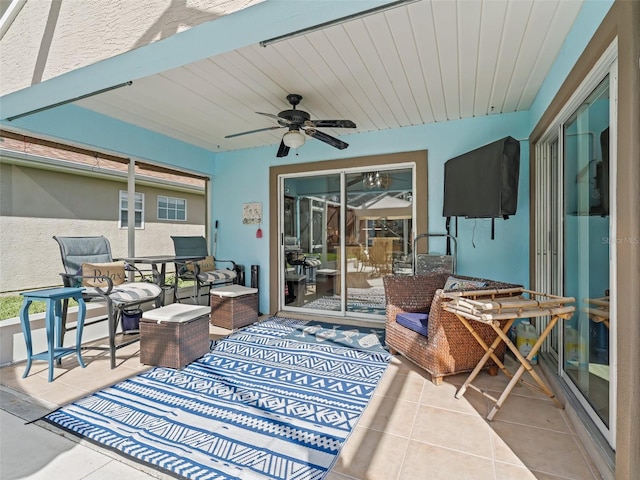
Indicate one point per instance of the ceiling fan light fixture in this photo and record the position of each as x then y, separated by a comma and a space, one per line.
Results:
293, 139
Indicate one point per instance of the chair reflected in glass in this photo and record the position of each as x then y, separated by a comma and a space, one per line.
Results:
87, 262
199, 267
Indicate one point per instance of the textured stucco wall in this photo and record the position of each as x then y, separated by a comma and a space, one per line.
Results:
49, 38
36, 204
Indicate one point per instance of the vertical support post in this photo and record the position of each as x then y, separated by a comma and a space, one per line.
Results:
131, 213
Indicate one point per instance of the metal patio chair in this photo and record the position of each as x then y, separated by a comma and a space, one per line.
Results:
200, 267
82, 255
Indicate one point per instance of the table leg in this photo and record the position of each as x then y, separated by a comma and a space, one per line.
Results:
26, 331
524, 365
59, 330
82, 311
51, 328
489, 353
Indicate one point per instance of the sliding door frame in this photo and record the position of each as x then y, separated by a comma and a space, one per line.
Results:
543, 272
420, 198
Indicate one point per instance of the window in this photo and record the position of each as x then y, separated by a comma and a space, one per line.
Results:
138, 209
170, 208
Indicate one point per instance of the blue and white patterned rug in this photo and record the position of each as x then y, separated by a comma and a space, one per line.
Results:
262, 404
359, 300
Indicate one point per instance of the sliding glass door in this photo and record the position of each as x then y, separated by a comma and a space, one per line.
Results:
575, 244
341, 233
587, 249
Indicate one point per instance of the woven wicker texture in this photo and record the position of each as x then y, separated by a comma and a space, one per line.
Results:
173, 344
234, 312
449, 348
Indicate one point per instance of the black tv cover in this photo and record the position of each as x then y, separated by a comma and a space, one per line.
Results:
483, 183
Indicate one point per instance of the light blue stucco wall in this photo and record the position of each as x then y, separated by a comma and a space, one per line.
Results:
589, 19
242, 176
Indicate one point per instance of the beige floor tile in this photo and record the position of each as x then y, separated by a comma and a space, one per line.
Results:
403, 366
63, 394
337, 476
503, 452
371, 455
532, 412
507, 471
443, 396
435, 463
456, 380
389, 415
544, 450
401, 387
499, 383
548, 476
453, 430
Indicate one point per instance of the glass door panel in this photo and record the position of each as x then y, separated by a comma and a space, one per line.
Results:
379, 235
311, 231
587, 248
342, 232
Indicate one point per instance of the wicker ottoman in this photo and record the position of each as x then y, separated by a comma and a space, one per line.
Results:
174, 336
234, 306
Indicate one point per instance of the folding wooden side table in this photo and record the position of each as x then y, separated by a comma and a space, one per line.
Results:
500, 308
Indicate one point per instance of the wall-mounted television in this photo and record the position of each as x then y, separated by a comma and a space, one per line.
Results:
483, 183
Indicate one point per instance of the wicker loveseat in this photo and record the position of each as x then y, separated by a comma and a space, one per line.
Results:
449, 347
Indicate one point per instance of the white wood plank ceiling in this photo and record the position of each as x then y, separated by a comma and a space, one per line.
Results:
429, 61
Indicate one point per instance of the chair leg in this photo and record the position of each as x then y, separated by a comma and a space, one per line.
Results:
493, 370
113, 324
436, 380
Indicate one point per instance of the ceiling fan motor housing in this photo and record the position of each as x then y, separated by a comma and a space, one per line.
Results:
295, 116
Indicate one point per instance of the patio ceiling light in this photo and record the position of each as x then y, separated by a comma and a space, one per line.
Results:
293, 139
375, 180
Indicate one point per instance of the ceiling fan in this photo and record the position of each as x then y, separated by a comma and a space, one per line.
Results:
298, 121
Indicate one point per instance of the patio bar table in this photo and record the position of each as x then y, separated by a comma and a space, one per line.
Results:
160, 274
499, 308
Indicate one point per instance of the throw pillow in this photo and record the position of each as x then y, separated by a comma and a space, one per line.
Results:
114, 270
454, 283
207, 264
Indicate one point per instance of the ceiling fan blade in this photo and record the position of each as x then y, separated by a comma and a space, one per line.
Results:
280, 119
252, 131
283, 150
332, 123
323, 137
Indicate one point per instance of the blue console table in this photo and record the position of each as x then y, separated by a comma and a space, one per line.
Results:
53, 298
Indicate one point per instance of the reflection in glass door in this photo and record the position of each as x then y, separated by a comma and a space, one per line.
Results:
342, 232
379, 240
587, 249
311, 221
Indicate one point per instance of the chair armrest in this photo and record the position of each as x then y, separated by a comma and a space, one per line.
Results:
67, 281
183, 271
233, 264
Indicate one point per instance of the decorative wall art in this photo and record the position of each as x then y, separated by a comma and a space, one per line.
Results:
252, 213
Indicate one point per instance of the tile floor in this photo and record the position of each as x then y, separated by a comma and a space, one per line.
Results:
411, 429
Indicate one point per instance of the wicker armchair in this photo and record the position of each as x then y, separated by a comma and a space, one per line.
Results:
449, 347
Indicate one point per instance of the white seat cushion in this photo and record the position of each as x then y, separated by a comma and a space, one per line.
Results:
233, 291
177, 312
